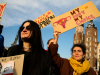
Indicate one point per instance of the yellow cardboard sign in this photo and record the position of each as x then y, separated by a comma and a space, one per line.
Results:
45, 19
18, 66
75, 17
2, 8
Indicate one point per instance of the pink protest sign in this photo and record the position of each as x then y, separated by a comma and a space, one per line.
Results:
75, 17
45, 19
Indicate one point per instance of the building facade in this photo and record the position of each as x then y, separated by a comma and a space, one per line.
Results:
98, 56
79, 36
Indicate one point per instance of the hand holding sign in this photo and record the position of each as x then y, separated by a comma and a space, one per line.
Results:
56, 36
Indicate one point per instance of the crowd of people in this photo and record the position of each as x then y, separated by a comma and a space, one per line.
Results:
38, 61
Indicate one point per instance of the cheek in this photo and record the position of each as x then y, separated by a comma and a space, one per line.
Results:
73, 54
81, 54
30, 33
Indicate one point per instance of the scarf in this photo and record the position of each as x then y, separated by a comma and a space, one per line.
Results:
78, 67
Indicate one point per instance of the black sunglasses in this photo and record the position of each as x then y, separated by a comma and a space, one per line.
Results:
27, 27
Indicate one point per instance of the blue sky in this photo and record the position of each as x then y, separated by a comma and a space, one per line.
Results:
17, 11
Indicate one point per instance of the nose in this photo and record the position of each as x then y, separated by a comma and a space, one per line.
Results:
24, 29
76, 52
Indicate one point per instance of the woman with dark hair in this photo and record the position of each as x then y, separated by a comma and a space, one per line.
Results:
76, 65
36, 60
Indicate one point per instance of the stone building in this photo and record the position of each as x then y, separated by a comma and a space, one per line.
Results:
98, 56
79, 36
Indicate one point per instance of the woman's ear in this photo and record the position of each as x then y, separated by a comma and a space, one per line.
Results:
47, 45
83, 55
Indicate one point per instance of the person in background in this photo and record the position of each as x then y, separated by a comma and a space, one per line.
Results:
76, 65
36, 60
54, 68
1, 41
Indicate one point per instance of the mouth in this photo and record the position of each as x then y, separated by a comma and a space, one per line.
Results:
24, 33
76, 56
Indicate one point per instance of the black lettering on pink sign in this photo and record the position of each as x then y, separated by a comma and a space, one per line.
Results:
46, 21
77, 14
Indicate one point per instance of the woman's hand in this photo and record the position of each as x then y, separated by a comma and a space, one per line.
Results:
56, 36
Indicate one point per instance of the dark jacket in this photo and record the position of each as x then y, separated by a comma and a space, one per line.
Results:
27, 56
63, 64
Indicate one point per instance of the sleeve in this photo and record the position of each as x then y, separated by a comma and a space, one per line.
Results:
53, 48
91, 72
1, 42
47, 64
7, 52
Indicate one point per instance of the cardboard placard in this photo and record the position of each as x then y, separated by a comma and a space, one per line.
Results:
2, 8
45, 19
75, 17
18, 64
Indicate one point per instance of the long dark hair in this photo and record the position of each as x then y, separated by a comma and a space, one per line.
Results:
37, 50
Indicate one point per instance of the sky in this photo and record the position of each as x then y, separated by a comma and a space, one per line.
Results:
18, 11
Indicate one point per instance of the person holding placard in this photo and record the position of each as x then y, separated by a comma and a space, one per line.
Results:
54, 69
76, 65
36, 60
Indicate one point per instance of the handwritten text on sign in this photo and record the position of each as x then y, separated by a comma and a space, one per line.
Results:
45, 19
75, 17
18, 59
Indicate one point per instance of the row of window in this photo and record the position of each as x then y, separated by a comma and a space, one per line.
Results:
89, 39
89, 55
89, 44
88, 33
89, 49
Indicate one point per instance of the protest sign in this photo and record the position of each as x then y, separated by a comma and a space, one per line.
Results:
75, 17
45, 19
12, 65
2, 8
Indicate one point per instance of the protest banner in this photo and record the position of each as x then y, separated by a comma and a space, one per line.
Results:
12, 65
75, 17
45, 19
2, 8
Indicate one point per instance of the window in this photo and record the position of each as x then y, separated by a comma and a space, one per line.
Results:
90, 43
94, 33
95, 40
88, 39
99, 50
90, 54
88, 32
90, 48
99, 56
87, 49
86, 54
86, 44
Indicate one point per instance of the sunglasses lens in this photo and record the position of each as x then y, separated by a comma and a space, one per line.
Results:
28, 28
22, 28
